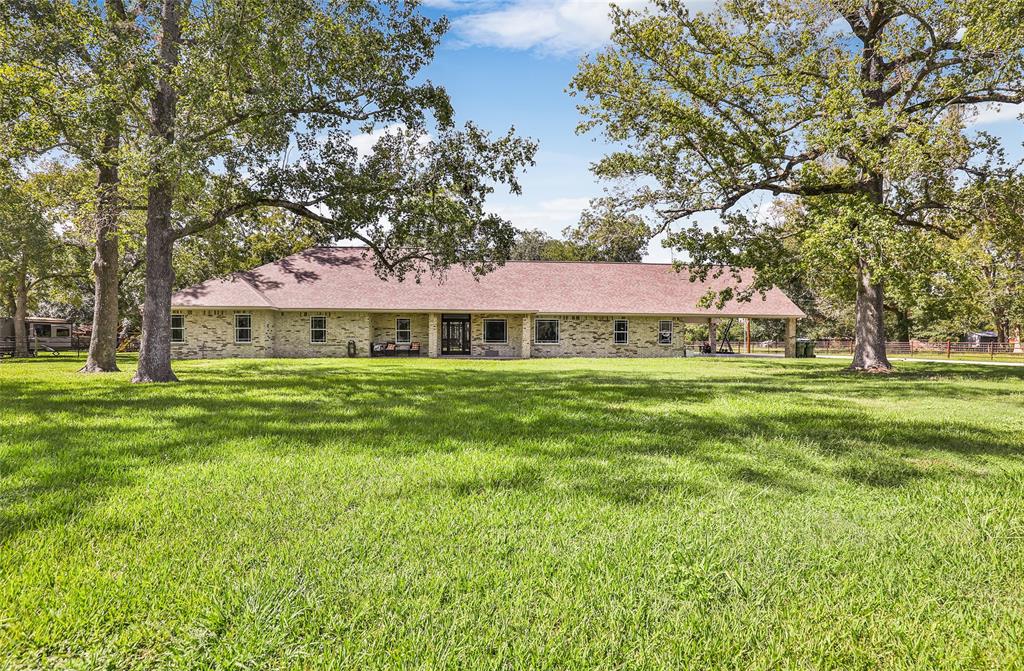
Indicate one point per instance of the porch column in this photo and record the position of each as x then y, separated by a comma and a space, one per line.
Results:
527, 346
369, 335
433, 334
713, 335
791, 338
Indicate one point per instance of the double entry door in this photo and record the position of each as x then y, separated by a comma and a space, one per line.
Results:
455, 334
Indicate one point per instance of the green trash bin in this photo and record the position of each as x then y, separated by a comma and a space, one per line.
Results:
810, 349
801, 348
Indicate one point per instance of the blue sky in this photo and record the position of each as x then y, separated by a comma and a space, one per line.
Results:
509, 62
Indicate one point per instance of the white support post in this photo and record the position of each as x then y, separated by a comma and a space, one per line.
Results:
527, 345
434, 335
791, 338
369, 335
713, 335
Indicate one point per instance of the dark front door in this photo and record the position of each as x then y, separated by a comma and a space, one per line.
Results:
455, 334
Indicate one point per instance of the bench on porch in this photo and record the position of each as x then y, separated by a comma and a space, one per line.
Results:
390, 348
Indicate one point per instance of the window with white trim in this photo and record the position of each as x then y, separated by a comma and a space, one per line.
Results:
495, 331
620, 331
403, 331
243, 329
177, 328
318, 329
546, 331
665, 332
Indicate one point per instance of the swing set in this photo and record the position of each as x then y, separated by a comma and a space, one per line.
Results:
724, 345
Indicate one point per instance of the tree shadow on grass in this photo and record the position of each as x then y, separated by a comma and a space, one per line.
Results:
793, 430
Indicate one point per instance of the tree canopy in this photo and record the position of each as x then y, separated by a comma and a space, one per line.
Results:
858, 108
225, 107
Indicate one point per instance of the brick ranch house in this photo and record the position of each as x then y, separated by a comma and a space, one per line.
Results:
325, 300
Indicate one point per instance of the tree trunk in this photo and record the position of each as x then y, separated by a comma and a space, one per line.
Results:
1002, 328
1017, 345
105, 267
903, 322
21, 314
155, 348
869, 335
869, 327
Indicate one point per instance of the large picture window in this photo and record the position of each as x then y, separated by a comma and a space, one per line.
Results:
665, 332
403, 330
318, 329
495, 331
177, 328
620, 331
546, 331
243, 328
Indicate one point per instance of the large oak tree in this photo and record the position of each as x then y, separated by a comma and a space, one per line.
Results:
72, 72
228, 106
255, 104
858, 108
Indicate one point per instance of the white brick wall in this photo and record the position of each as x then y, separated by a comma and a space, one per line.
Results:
292, 334
210, 334
514, 331
592, 336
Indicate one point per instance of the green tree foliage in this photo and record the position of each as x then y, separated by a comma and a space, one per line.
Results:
243, 242
857, 108
72, 73
234, 106
603, 234
256, 105
986, 287
536, 245
32, 252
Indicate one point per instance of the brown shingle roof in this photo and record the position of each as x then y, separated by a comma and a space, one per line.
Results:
342, 278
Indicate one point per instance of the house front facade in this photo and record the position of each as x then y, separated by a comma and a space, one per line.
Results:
329, 302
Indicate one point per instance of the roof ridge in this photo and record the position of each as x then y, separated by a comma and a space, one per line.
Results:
507, 261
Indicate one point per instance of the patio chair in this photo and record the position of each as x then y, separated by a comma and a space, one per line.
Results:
414, 349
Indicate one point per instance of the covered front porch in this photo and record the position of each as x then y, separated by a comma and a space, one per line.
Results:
497, 335
479, 335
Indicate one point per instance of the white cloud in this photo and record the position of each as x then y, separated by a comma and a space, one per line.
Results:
996, 113
364, 142
457, 4
560, 26
550, 216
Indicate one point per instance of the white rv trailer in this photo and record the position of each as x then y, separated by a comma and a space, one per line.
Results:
45, 334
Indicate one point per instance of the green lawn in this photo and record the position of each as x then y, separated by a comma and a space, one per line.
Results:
524, 514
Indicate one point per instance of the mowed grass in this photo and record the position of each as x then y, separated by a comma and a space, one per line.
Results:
505, 515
